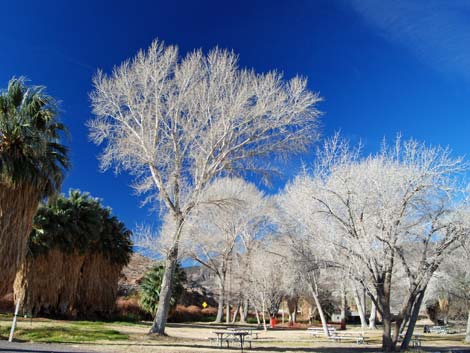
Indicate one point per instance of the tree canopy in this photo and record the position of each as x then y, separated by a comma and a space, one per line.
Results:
80, 223
30, 147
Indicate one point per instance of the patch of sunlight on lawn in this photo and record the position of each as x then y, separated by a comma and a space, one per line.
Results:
55, 334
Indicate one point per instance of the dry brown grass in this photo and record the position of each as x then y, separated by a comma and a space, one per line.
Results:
70, 285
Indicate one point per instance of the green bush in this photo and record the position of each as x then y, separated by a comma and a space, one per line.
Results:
151, 284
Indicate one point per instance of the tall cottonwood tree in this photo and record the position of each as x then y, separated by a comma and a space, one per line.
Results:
400, 210
176, 123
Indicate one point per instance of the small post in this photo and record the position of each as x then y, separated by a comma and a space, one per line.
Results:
13, 325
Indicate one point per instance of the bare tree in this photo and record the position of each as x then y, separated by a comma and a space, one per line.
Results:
306, 260
401, 209
453, 280
175, 124
267, 274
215, 233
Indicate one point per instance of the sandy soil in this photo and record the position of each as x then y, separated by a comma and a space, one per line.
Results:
194, 338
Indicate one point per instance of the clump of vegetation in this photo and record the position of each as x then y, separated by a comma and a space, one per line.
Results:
79, 223
80, 244
151, 284
33, 162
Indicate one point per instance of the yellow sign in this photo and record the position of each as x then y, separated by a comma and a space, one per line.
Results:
204, 305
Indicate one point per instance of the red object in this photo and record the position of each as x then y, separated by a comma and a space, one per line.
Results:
273, 322
343, 325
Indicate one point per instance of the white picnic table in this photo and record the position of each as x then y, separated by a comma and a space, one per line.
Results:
318, 331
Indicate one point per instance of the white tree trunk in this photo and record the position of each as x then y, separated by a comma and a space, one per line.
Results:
283, 309
373, 317
292, 308
220, 308
244, 310
161, 317
263, 315
467, 334
257, 316
344, 303
159, 322
360, 308
235, 312
320, 311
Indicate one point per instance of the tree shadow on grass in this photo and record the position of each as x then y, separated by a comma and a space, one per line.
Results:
27, 350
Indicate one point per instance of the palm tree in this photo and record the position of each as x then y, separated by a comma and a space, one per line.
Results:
76, 253
32, 166
151, 284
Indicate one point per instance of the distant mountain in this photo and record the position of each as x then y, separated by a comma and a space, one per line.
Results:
132, 274
199, 286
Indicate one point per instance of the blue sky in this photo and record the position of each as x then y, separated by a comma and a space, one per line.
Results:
382, 67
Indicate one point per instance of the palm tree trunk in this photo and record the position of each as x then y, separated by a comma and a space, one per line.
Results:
17, 209
39, 295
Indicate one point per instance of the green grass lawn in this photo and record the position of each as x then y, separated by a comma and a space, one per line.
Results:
79, 332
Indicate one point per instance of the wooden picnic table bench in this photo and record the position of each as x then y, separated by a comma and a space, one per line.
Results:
442, 330
319, 331
355, 336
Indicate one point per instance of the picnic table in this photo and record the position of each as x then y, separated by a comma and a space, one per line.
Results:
318, 331
231, 336
442, 330
251, 331
356, 336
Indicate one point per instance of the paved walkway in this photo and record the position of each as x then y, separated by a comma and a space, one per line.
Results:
37, 348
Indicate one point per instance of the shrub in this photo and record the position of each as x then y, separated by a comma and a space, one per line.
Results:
151, 284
